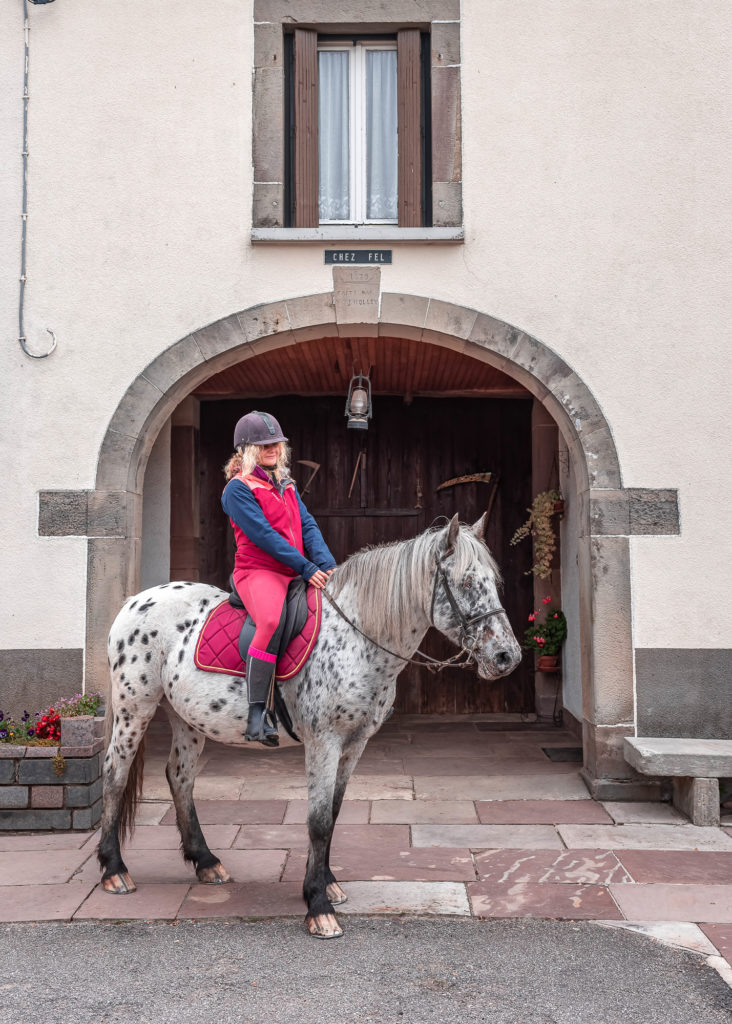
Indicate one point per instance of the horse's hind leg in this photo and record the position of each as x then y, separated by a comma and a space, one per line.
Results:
185, 749
346, 765
321, 762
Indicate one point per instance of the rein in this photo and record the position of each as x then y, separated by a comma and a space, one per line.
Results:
468, 643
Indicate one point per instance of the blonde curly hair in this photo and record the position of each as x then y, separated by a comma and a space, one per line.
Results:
244, 460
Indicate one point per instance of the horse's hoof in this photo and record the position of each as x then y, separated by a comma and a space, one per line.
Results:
215, 875
323, 926
335, 894
119, 885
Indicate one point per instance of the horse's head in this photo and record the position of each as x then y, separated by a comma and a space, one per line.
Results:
466, 606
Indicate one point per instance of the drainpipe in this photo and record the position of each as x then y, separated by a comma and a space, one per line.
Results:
24, 213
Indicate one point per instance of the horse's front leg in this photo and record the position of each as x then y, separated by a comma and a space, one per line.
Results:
321, 761
185, 749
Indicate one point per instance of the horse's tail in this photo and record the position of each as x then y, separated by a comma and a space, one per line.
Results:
132, 794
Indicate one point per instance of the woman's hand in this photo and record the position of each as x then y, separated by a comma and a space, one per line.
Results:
319, 579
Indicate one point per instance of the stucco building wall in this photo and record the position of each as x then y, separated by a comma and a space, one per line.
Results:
595, 162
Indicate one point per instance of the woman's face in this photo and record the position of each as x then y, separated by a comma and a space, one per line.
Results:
268, 455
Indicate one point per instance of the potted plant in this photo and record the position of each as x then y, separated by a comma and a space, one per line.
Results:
540, 528
546, 637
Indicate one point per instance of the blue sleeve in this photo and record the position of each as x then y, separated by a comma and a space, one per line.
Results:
243, 508
312, 538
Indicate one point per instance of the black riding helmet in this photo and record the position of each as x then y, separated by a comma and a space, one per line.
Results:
257, 428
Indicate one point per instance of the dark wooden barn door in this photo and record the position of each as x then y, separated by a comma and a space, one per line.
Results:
382, 485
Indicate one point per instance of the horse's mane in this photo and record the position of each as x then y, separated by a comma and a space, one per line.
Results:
384, 579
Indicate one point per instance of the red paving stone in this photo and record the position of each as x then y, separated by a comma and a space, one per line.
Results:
353, 812
721, 936
282, 837
41, 902
599, 867
167, 837
244, 900
402, 866
150, 903
527, 899
50, 841
40, 867
661, 902
235, 812
705, 867
542, 812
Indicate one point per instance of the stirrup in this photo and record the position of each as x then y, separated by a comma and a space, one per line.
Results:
261, 727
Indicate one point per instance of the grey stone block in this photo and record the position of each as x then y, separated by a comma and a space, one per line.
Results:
87, 817
375, 12
445, 43
7, 772
174, 363
495, 335
268, 46
107, 513
13, 796
698, 799
83, 796
684, 692
448, 318
62, 513
77, 732
220, 336
77, 770
134, 409
265, 320
268, 152
268, 205
405, 313
310, 313
36, 819
680, 756
446, 152
653, 512
447, 204
610, 513
33, 678
113, 465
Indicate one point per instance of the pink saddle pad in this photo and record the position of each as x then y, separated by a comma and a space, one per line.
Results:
217, 649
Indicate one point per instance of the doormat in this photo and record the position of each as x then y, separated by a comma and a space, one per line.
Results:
573, 754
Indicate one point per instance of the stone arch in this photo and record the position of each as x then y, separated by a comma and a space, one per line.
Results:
608, 513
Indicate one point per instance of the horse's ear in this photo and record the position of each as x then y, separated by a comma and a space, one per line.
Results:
452, 534
479, 528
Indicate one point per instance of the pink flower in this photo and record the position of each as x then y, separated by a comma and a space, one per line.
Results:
545, 600
532, 616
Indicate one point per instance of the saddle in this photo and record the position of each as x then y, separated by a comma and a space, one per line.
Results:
217, 648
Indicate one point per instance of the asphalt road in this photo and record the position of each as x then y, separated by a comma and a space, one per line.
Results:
408, 971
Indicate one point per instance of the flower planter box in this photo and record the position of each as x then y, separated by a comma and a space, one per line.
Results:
34, 796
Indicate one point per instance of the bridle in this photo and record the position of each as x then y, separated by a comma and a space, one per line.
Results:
468, 642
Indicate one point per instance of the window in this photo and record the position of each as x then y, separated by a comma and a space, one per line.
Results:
358, 146
357, 133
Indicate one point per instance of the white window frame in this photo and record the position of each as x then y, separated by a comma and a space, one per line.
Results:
358, 185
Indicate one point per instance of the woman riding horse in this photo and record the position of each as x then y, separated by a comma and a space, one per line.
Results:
276, 539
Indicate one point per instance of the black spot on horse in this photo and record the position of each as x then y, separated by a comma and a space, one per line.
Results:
148, 656
153, 633
217, 705
180, 627
144, 638
180, 656
133, 659
120, 645
178, 586
121, 660
133, 606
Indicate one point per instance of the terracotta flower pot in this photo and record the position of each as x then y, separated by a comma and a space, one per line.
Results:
559, 507
548, 663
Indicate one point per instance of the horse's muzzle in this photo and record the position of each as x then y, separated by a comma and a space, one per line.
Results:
500, 664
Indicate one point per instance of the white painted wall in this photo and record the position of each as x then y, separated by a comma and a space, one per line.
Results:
596, 142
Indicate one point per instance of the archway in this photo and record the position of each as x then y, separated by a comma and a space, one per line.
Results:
604, 509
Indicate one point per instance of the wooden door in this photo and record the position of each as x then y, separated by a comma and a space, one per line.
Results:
381, 485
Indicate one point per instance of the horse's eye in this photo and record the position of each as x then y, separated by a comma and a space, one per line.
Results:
468, 582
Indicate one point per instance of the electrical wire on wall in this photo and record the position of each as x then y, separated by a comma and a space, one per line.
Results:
24, 213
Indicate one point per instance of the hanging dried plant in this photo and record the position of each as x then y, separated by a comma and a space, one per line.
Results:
540, 528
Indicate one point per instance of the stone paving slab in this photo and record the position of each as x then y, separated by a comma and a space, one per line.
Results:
415, 812
275, 788
501, 787
598, 867
235, 812
381, 787
216, 788
487, 837
244, 900
283, 837
168, 866
151, 903
628, 812
681, 934
353, 812
406, 898
662, 902
425, 865
42, 902
541, 812
40, 867
528, 899
721, 936
461, 766
678, 866
149, 813
644, 837
167, 837
44, 841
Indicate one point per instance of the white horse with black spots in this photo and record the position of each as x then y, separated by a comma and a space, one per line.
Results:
391, 594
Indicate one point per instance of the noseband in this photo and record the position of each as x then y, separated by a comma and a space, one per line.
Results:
468, 642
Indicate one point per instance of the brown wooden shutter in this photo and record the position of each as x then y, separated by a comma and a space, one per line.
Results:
409, 108
306, 129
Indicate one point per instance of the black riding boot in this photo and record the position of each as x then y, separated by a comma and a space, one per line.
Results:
260, 726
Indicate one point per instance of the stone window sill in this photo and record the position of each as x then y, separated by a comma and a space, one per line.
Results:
349, 233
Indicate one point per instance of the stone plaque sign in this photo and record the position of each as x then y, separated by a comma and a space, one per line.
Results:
371, 257
356, 294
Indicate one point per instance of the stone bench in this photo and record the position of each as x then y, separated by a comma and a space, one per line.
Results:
695, 765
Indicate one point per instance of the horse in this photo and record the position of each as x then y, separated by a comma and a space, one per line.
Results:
381, 602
